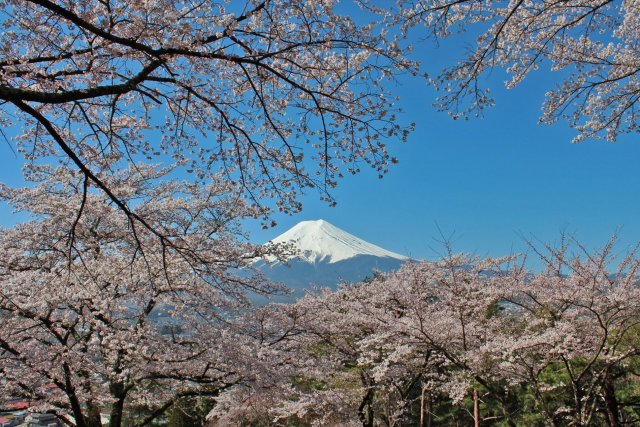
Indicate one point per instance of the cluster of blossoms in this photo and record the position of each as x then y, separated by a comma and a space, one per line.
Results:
99, 314
459, 336
591, 44
127, 287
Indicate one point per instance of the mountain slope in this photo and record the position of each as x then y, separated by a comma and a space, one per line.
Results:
327, 256
320, 241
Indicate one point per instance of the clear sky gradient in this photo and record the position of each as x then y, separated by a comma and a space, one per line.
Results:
487, 182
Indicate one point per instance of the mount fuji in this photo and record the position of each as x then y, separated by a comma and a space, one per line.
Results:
326, 256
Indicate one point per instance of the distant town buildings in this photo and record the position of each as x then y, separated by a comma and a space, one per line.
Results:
15, 413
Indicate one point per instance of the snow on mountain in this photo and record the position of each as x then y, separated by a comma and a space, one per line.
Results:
327, 256
319, 241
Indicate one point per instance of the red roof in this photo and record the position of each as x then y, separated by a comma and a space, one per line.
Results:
18, 405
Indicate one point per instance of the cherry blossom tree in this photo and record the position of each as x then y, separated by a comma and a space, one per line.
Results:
100, 316
244, 105
592, 46
306, 379
279, 95
364, 354
574, 339
464, 339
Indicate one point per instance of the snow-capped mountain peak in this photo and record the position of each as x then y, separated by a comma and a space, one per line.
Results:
320, 241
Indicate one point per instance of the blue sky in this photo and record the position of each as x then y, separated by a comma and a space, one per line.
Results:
487, 182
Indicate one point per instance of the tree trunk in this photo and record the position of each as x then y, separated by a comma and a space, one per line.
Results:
93, 415
76, 406
611, 406
115, 418
422, 406
117, 391
476, 408
365, 412
425, 409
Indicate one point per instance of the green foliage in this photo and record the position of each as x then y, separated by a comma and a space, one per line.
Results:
189, 412
308, 384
